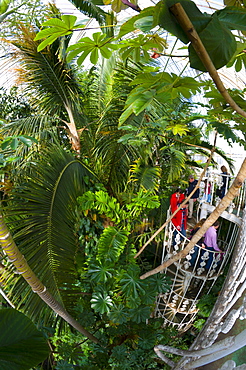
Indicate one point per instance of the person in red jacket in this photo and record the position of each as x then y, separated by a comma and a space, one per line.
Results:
180, 219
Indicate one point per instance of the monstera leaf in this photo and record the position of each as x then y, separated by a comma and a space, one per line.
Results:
22, 346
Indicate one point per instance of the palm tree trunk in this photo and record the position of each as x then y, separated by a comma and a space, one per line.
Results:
9, 247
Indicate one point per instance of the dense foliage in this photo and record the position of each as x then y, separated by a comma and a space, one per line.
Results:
92, 155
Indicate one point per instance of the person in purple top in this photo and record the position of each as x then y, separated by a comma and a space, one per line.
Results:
210, 237
210, 241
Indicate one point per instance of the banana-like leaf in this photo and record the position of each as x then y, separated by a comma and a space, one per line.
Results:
22, 346
44, 216
89, 8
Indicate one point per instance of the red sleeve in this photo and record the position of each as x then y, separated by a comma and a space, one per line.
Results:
173, 202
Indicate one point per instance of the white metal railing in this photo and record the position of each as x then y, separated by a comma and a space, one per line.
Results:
201, 267
202, 262
190, 275
209, 197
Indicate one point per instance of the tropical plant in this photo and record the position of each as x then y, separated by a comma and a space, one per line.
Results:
44, 204
50, 85
86, 260
22, 346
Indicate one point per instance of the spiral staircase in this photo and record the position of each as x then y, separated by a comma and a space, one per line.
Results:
194, 276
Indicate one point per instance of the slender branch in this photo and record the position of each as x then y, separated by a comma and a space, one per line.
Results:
184, 21
184, 202
224, 203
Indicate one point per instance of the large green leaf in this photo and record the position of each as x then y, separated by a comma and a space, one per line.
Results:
118, 314
100, 272
132, 23
144, 24
161, 86
137, 102
101, 302
148, 176
214, 31
4, 4
169, 22
219, 43
233, 17
22, 346
90, 8
140, 314
99, 44
56, 28
131, 285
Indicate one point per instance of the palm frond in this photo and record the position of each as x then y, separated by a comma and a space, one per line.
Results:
145, 175
115, 159
37, 126
176, 164
42, 128
104, 104
42, 217
48, 81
